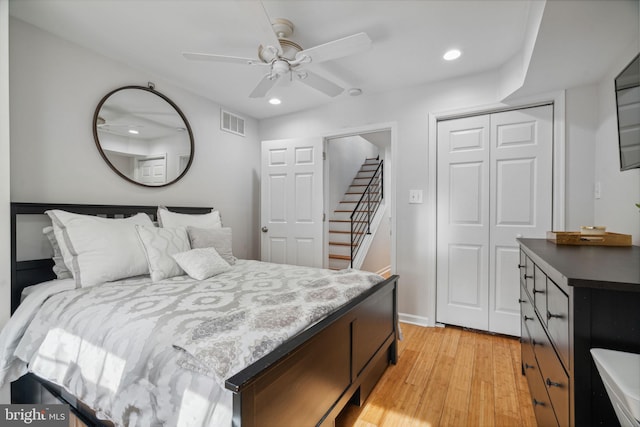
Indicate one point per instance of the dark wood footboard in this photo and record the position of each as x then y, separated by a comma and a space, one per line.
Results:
309, 379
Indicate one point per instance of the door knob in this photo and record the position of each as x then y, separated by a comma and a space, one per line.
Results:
265, 229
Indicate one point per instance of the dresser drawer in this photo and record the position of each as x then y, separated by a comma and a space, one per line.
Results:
554, 378
539, 292
526, 273
557, 316
539, 397
527, 312
557, 383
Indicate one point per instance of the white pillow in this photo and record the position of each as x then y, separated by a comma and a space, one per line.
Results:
159, 244
59, 268
201, 263
98, 250
168, 219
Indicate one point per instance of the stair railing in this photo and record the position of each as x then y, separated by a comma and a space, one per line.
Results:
366, 209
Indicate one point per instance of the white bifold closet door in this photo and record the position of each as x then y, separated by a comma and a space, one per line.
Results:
495, 178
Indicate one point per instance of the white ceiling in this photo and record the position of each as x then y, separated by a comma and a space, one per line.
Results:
408, 41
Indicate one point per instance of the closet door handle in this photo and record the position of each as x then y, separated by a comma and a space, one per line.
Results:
521, 301
527, 276
527, 318
527, 366
535, 291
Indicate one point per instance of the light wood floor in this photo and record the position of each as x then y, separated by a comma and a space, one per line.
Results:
448, 377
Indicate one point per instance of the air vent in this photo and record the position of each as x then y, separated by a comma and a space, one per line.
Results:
231, 123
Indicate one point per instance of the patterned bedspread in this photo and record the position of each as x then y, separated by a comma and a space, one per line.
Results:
231, 340
112, 345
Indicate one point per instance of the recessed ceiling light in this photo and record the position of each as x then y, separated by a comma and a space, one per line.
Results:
452, 54
355, 91
133, 131
275, 101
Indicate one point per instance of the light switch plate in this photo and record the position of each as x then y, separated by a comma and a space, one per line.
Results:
415, 196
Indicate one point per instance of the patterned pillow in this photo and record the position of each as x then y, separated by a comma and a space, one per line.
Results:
168, 219
159, 244
217, 238
201, 263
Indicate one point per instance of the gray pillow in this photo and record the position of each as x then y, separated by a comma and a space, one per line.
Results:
217, 238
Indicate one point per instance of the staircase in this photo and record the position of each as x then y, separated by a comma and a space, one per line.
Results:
350, 222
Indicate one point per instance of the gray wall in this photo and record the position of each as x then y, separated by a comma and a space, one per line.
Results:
587, 119
409, 109
55, 86
346, 155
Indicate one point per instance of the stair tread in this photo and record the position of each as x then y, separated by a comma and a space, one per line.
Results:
345, 232
344, 257
345, 220
342, 244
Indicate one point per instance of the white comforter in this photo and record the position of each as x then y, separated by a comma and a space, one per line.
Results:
111, 345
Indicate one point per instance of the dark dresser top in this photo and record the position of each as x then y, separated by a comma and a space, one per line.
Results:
605, 267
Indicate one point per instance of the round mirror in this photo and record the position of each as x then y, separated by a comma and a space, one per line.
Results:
143, 136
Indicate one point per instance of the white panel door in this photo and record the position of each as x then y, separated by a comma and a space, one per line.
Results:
152, 170
494, 184
521, 203
463, 222
292, 201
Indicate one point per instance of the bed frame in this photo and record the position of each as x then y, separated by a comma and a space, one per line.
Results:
306, 381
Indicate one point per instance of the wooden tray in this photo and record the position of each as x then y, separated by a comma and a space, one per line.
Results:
577, 238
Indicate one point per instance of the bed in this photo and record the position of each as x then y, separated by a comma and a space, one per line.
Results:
306, 379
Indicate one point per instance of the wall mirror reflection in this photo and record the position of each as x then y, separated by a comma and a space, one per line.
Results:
628, 106
143, 136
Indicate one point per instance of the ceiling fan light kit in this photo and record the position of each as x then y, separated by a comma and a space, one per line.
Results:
284, 57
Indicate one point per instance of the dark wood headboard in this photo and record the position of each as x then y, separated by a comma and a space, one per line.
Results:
27, 273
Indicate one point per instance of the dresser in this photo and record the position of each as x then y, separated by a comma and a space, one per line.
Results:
572, 299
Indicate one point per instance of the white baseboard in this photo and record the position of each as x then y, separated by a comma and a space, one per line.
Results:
414, 320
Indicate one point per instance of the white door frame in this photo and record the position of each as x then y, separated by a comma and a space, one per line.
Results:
558, 100
389, 172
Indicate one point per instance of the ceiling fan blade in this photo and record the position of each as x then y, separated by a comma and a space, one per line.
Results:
267, 82
195, 56
320, 83
261, 18
337, 49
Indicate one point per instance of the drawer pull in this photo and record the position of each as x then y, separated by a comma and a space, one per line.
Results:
552, 384
527, 318
538, 403
554, 316
527, 366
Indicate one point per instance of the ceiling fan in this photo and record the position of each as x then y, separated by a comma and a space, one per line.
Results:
286, 59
